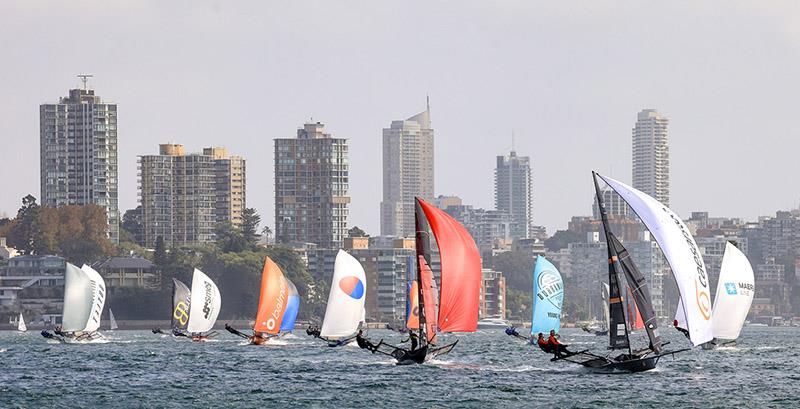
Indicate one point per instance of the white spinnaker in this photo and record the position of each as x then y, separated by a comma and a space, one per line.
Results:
84, 297
21, 327
682, 254
205, 305
113, 322
345, 311
735, 291
98, 289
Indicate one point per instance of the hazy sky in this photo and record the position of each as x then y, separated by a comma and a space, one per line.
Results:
567, 78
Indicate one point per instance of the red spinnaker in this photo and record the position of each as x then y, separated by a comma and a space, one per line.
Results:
461, 272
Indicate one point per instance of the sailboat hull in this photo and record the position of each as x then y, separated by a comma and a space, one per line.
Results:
407, 357
633, 365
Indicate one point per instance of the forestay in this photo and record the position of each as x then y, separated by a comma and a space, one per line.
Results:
548, 297
735, 291
345, 308
84, 297
205, 304
682, 254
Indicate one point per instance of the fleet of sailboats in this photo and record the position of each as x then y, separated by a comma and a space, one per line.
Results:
450, 303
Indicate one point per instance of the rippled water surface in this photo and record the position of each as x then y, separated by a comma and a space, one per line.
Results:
487, 369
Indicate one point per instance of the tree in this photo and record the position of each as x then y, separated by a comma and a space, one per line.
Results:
160, 253
561, 239
357, 232
250, 222
230, 239
517, 268
22, 234
131, 227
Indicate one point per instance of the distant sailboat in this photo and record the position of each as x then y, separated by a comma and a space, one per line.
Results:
84, 298
278, 305
113, 322
453, 306
345, 310
668, 230
735, 291
21, 327
194, 312
548, 299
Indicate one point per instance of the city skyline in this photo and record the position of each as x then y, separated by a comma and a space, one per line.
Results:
476, 107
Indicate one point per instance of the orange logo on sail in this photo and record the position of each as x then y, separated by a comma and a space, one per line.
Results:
703, 301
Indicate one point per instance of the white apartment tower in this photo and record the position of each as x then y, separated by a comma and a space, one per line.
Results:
651, 155
407, 172
78, 154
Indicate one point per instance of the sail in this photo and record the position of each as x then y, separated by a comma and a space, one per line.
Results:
181, 303
113, 324
21, 327
634, 316
604, 296
412, 305
735, 291
84, 297
681, 253
460, 287
548, 297
292, 307
205, 304
273, 299
430, 301
346, 298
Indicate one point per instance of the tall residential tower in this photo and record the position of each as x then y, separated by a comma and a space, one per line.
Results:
651, 155
311, 183
513, 192
407, 172
78, 154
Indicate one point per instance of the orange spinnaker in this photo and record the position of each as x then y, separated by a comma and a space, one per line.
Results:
273, 299
429, 298
461, 272
413, 314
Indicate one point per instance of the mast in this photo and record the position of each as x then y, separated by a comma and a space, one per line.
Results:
615, 306
423, 246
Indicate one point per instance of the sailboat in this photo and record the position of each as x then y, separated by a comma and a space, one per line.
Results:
195, 319
548, 299
112, 322
735, 291
21, 327
84, 297
681, 252
345, 310
278, 305
453, 306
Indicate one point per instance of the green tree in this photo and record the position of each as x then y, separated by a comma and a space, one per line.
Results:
131, 227
250, 222
230, 239
22, 234
160, 253
517, 268
561, 239
356, 231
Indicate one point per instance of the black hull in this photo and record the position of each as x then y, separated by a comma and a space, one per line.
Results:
621, 364
630, 366
406, 357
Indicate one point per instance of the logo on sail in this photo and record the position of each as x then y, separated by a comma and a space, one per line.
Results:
550, 288
701, 280
207, 301
352, 286
181, 313
730, 288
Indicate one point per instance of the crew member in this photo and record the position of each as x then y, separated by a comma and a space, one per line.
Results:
683, 331
413, 338
558, 348
543, 344
512, 331
258, 338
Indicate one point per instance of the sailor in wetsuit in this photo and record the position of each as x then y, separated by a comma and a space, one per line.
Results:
313, 331
683, 331
413, 338
557, 347
543, 344
512, 331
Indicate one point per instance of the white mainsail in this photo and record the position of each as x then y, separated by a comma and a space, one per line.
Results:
604, 290
84, 297
345, 308
735, 291
21, 327
113, 323
205, 305
682, 254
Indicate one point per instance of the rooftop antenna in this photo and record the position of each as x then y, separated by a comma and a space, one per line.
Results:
85, 78
428, 103
512, 140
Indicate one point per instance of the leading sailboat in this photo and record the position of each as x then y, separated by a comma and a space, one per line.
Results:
278, 305
678, 247
453, 307
84, 297
345, 310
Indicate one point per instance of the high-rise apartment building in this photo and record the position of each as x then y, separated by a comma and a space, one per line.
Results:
311, 183
407, 172
651, 155
184, 196
513, 192
78, 154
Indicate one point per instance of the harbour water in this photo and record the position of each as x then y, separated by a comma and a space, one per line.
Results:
487, 369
